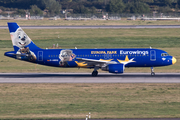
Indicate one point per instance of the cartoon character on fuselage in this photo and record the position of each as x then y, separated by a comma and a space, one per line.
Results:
111, 60
66, 56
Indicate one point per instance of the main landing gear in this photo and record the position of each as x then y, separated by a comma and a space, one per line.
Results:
152, 71
94, 73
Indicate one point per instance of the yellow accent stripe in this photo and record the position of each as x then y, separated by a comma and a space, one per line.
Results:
106, 60
81, 64
126, 60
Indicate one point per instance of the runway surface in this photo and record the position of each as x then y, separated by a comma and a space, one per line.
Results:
87, 78
133, 119
97, 27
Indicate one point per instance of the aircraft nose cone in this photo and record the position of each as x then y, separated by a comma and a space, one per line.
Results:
174, 60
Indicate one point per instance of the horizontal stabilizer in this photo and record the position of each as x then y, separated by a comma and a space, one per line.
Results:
19, 54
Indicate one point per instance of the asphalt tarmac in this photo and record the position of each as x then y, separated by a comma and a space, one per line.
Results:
130, 119
87, 78
97, 27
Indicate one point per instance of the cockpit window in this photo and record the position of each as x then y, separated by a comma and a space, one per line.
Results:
164, 54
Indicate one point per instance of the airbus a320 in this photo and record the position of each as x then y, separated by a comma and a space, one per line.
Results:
111, 60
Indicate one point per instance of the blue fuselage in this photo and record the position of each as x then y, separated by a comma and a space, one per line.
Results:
141, 57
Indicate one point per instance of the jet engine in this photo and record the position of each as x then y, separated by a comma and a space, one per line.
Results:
114, 68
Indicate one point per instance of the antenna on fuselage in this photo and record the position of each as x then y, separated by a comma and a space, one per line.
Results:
150, 47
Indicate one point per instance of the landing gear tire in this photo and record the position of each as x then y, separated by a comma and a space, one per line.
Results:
94, 73
153, 74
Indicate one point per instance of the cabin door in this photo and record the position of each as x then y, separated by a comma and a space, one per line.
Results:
153, 55
40, 55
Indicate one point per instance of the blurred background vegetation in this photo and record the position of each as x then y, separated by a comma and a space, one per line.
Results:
54, 7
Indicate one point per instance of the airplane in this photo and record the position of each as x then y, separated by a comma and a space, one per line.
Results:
111, 60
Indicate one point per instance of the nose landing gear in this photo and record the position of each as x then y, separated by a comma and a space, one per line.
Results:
152, 71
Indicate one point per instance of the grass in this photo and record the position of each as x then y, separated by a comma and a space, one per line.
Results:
77, 100
124, 21
105, 38
166, 39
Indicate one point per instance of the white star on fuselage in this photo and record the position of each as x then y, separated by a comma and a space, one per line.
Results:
126, 61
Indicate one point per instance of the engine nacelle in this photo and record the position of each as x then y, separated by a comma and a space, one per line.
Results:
116, 68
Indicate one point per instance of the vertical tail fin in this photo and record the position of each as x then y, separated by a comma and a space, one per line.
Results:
19, 38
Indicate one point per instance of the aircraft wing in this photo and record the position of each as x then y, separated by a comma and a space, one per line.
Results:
96, 62
101, 62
